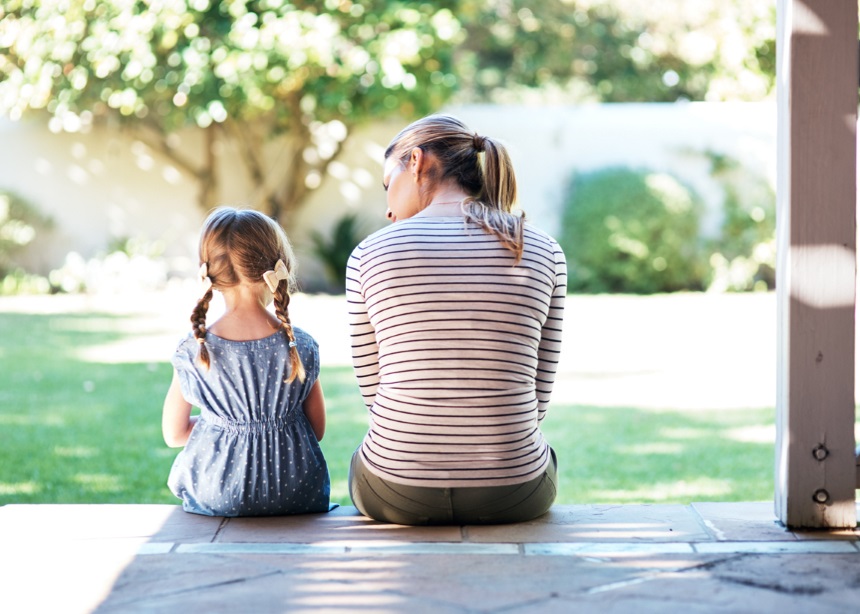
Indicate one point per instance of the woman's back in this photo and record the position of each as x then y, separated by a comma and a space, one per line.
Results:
455, 348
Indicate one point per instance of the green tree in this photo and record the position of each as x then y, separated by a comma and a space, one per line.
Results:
245, 72
616, 51
285, 82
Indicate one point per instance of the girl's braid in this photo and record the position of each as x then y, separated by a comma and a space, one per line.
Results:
198, 324
282, 304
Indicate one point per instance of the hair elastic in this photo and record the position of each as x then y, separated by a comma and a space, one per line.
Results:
479, 142
205, 280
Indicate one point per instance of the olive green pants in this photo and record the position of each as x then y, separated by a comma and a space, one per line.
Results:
388, 501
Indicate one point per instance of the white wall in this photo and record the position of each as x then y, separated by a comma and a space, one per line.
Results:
549, 143
97, 187
102, 185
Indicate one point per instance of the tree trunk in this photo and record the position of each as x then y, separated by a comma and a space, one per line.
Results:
208, 178
205, 174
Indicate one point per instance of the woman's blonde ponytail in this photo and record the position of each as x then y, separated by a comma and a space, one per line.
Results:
480, 165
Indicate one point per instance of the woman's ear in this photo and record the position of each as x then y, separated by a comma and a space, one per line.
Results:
416, 162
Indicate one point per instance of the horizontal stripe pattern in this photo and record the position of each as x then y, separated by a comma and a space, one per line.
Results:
455, 348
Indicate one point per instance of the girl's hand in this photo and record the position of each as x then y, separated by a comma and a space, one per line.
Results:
314, 408
176, 419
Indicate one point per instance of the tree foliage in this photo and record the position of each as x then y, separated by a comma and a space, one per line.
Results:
302, 74
248, 71
617, 51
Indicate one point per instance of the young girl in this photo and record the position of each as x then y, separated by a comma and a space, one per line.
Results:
254, 449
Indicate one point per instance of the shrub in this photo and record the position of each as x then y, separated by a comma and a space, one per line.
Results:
20, 222
744, 256
129, 265
335, 251
633, 231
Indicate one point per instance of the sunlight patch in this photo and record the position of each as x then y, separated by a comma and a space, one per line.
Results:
98, 482
697, 489
752, 434
75, 452
339, 488
19, 488
90, 324
28, 420
656, 447
685, 433
132, 349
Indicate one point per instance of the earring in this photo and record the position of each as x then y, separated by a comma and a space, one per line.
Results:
388, 213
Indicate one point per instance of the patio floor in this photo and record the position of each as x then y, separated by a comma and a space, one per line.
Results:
703, 557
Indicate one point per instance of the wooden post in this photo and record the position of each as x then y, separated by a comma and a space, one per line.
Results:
817, 81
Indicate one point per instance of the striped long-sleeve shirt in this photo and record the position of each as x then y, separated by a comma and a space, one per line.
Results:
455, 348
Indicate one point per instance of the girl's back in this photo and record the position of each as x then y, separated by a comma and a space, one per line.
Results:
254, 449
252, 452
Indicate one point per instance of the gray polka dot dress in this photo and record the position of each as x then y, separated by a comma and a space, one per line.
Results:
252, 452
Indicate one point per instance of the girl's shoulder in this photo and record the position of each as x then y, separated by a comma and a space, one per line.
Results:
186, 352
304, 338
186, 342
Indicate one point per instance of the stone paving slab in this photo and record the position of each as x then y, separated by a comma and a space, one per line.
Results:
106, 521
644, 558
746, 521
622, 523
755, 521
342, 523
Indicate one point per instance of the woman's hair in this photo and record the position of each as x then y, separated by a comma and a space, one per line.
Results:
239, 245
488, 179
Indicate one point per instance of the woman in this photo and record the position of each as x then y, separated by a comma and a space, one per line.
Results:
456, 313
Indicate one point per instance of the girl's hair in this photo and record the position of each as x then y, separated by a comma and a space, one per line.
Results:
239, 245
488, 179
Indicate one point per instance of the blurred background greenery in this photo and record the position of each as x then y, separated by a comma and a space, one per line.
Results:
188, 81
185, 81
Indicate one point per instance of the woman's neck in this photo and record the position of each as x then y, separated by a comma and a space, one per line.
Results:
445, 202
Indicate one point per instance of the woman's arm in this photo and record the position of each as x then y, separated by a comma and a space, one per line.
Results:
314, 408
549, 349
176, 419
365, 351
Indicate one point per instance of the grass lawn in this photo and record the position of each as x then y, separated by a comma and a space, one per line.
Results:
78, 431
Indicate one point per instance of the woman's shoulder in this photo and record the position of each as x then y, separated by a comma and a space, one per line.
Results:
411, 229
537, 235
381, 234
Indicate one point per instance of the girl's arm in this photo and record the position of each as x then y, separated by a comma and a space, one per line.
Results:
176, 418
314, 408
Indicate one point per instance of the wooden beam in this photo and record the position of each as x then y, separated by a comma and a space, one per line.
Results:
817, 81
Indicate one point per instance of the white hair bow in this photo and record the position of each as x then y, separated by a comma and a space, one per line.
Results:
272, 278
205, 281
